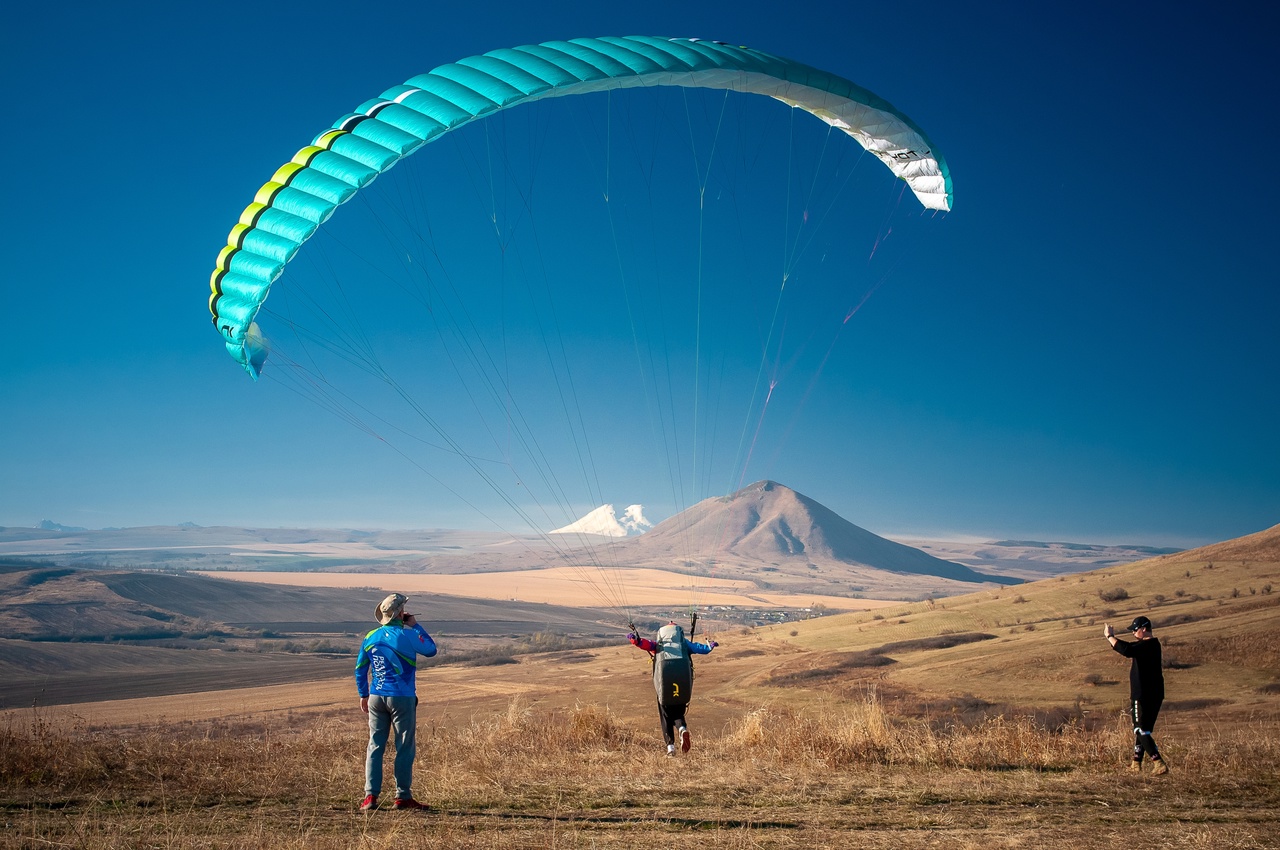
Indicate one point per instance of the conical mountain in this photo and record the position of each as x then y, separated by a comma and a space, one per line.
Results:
768, 523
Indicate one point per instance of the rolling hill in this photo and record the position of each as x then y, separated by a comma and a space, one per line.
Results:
69, 635
1216, 611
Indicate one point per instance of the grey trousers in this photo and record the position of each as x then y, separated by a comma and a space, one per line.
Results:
388, 714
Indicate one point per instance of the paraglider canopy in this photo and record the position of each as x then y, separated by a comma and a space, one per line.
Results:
305, 191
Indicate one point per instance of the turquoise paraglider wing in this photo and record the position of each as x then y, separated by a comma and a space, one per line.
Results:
305, 191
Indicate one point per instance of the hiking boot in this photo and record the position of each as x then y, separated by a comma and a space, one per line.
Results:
369, 802
684, 740
1135, 766
406, 804
1158, 767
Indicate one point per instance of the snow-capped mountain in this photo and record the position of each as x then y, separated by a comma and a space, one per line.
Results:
606, 521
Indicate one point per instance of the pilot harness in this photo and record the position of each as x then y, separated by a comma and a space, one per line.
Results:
672, 664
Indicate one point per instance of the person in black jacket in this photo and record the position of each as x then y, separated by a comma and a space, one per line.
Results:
1146, 690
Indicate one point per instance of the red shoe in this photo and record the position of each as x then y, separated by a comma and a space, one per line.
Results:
370, 802
684, 740
405, 805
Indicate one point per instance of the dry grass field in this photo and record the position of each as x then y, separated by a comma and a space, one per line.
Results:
822, 776
992, 720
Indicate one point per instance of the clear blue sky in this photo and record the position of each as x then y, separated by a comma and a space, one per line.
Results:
1085, 349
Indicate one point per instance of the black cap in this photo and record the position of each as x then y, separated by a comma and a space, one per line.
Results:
1139, 623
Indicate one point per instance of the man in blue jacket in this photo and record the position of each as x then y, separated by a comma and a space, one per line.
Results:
389, 656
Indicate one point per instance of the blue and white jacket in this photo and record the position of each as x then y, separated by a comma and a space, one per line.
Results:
389, 655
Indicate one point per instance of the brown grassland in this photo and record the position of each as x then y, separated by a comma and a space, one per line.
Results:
992, 720
579, 586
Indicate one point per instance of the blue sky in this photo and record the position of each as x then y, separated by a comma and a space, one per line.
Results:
1084, 349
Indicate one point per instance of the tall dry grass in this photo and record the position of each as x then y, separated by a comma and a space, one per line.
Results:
851, 736
528, 777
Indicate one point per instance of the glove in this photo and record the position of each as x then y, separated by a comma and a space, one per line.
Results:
712, 644
631, 638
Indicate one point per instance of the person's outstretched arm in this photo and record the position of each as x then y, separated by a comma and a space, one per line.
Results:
700, 648
644, 643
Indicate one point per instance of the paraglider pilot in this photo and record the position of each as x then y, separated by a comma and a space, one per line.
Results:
673, 679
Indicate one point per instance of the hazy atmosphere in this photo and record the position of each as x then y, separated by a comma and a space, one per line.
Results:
1084, 349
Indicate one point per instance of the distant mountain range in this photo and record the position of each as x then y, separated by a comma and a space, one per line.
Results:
50, 525
770, 528
765, 533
